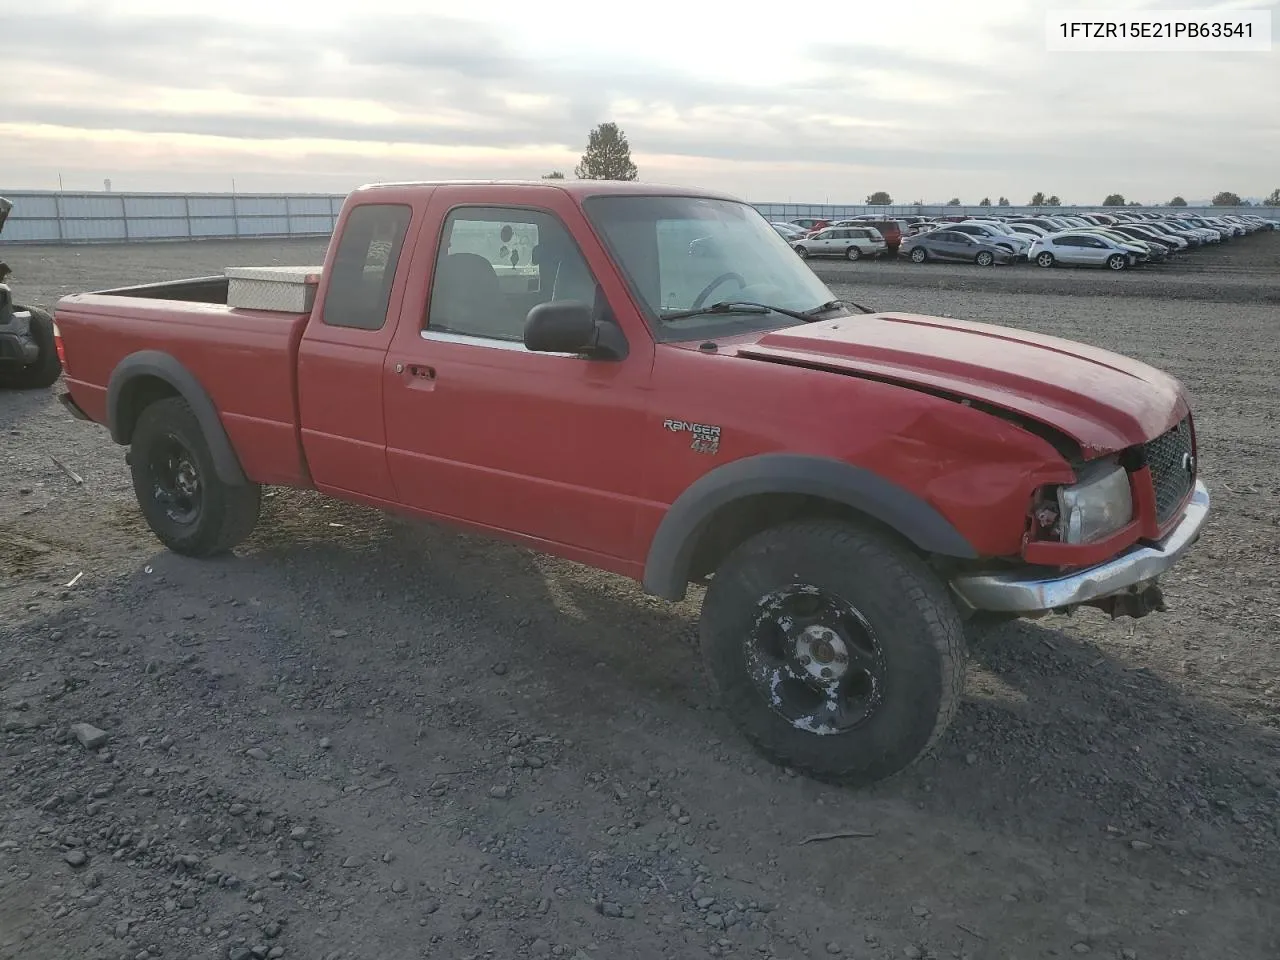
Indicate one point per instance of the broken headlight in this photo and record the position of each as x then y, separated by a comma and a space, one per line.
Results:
1097, 505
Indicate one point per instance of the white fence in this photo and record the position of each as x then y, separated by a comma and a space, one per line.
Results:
56, 217
51, 217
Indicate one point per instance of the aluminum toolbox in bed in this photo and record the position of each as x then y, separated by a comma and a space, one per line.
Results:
287, 289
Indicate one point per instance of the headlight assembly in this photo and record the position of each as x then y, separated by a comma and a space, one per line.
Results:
1097, 505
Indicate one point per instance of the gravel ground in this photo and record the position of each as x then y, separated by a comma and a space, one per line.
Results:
365, 737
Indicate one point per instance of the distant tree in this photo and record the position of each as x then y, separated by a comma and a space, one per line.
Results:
1037, 199
1177, 202
880, 199
953, 202
608, 155
1274, 199
1003, 202
984, 202
553, 175
1226, 199
1053, 201
1135, 203
1114, 200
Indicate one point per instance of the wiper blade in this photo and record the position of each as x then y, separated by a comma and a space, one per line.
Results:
834, 304
737, 306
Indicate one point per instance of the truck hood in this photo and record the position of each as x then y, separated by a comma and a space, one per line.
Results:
1101, 400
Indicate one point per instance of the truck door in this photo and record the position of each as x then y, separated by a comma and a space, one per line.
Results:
480, 429
341, 354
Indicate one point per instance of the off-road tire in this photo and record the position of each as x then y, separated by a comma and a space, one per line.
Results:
46, 369
227, 513
919, 629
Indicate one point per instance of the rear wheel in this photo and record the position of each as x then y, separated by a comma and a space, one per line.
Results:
984, 259
834, 650
46, 368
919, 255
187, 505
1045, 259
1117, 261
853, 253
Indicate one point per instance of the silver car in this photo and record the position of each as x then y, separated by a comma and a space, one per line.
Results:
1082, 248
948, 244
852, 243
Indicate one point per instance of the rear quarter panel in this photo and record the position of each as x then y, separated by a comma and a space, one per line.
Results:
244, 359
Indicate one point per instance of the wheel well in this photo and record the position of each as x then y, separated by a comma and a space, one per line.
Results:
138, 394
736, 522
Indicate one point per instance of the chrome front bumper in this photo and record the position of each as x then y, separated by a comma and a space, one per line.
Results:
1022, 592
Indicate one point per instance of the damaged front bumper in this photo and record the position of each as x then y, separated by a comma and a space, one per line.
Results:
1124, 585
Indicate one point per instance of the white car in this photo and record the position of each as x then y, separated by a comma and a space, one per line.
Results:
1084, 249
852, 243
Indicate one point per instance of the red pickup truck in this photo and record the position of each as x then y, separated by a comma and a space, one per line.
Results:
649, 381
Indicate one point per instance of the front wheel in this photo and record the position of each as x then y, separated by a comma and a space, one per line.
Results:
834, 650
804, 254
46, 368
187, 505
919, 255
984, 259
1117, 261
853, 253
1045, 259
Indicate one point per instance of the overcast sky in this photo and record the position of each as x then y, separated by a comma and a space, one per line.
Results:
927, 99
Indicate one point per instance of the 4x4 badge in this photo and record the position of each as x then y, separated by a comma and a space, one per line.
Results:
706, 437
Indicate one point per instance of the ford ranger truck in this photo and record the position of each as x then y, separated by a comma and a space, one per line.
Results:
647, 380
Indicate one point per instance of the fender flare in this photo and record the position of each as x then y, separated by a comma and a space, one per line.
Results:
155, 363
666, 571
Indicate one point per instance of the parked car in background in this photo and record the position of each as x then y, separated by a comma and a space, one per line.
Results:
1147, 252
1138, 232
852, 243
811, 224
1083, 248
948, 244
788, 231
891, 230
996, 233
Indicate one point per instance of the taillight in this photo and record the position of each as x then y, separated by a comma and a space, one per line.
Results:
57, 343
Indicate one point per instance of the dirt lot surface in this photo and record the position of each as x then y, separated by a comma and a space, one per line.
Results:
363, 737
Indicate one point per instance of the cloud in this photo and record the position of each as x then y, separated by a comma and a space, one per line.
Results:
948, 104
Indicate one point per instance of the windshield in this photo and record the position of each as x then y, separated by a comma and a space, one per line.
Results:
687, 253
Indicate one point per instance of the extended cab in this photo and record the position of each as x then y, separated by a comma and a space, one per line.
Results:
649, 381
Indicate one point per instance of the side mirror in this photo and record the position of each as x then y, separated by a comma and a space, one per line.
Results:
571, 326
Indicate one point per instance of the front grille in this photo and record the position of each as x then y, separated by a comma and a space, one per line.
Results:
1173, 468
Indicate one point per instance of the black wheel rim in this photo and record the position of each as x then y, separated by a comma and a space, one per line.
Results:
175, 480
816, 660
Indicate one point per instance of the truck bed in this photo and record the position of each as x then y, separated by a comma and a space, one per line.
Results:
245, 359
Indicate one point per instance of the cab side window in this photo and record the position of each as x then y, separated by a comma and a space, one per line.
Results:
364, 266
496, 264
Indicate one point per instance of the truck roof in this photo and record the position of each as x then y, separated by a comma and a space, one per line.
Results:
578, 188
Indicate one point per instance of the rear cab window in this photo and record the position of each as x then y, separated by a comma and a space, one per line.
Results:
364, 266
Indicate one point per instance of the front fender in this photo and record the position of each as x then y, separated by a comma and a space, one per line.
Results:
162, 366
666, 572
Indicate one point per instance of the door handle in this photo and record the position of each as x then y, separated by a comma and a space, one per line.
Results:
421, 371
